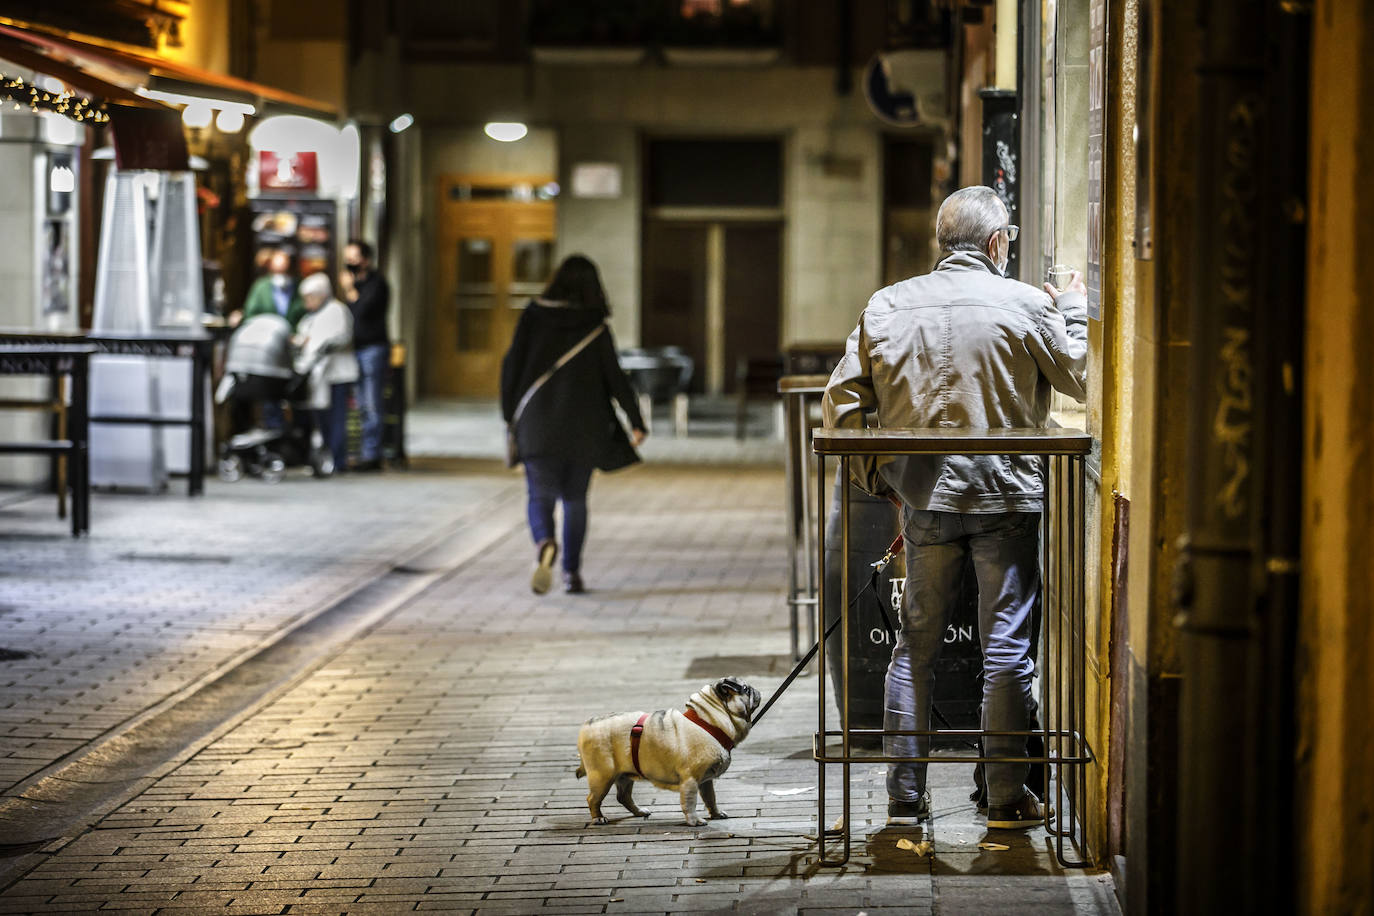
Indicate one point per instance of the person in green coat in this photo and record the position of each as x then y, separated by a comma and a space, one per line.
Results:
275, 293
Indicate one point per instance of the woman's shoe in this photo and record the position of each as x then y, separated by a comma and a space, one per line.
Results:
572, 583
542, 577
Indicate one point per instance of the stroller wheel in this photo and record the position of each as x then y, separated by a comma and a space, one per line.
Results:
230, 468
273, 468
321, 463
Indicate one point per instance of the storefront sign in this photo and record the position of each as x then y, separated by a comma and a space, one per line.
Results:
596, 179
1097, 109
287, 171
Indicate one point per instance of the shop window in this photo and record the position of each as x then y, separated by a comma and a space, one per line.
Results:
531, 265
474, 264
481, 29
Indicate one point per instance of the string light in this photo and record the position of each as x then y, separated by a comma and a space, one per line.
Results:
65, 102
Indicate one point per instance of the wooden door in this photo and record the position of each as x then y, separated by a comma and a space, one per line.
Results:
675, 280
493, 251
753, 294
715, 290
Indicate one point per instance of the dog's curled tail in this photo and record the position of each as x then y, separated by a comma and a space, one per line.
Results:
581, 771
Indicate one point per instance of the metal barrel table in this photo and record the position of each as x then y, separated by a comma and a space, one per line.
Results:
1063, 702
53, 361
799, 392
194, 345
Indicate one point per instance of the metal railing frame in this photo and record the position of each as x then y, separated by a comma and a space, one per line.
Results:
1062, 675
798, 393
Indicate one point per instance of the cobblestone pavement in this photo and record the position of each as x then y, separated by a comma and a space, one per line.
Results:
166, 590
430, 764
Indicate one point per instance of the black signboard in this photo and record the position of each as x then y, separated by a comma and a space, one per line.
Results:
1002, 157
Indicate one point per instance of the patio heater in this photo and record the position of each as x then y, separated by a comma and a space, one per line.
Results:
147, 282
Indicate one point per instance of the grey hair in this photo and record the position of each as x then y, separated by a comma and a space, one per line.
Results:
968, 218
316, 285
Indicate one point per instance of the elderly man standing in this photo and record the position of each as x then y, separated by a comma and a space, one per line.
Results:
964, 347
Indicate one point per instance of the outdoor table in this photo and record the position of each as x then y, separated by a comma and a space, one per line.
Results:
652, 372
1062, 670
799, 392
53, 361
159, 344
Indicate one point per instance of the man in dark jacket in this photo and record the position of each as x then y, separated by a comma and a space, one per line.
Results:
368, 296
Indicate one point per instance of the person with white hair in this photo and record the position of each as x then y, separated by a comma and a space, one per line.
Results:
964, 346
324, 339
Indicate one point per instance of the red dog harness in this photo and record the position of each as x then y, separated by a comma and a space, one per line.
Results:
637, 732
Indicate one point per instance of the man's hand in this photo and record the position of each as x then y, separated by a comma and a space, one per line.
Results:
1075, 285
346, 284
235, 317
637, 437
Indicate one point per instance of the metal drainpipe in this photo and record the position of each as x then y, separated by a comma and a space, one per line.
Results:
1227, 830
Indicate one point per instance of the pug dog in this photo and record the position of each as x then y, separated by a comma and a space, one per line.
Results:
678, 750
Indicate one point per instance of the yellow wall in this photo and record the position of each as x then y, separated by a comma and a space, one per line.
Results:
204, 37
1336, 703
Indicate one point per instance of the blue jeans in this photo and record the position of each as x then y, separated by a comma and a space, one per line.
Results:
1005, 550
373, 364
550, 480
333, 422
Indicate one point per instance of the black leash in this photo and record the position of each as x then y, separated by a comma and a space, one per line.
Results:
895, 548
872, 585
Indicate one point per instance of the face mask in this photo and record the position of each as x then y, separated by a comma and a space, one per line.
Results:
280, 280
1000, 254
353, 268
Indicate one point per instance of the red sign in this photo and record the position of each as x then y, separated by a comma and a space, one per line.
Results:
287, 171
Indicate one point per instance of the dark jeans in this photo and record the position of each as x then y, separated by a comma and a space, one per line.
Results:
551, 480
373, 365
1005, 549
333, 421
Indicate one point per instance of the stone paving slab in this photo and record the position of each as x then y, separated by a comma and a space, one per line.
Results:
166, 590
430, 765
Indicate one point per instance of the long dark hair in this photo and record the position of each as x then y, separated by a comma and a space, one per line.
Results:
577, 283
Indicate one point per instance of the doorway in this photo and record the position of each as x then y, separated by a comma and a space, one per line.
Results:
493, 251
712, 254
713, 289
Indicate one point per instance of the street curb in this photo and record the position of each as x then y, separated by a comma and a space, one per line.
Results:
53, 807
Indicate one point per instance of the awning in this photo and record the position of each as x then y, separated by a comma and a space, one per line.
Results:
131, 70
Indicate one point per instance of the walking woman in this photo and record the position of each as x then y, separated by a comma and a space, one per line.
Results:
557, 382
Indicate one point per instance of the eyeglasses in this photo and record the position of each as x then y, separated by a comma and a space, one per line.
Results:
1011, 231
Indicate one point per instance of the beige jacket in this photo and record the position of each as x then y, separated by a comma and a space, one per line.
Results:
325, 337
963, 347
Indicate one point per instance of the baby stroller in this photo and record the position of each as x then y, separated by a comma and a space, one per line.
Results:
258, 369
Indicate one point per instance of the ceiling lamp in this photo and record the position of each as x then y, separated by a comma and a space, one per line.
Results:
197, 114
506, 131
402, 122
229, 121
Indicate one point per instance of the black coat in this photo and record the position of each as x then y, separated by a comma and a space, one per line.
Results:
570, 416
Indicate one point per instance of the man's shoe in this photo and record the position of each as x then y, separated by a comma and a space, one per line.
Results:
572, 583
1023, 814
374, 464
542, 577
908, 813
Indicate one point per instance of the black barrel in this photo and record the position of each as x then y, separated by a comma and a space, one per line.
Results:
873, 523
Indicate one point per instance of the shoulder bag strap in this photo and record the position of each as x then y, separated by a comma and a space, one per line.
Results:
559, 364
